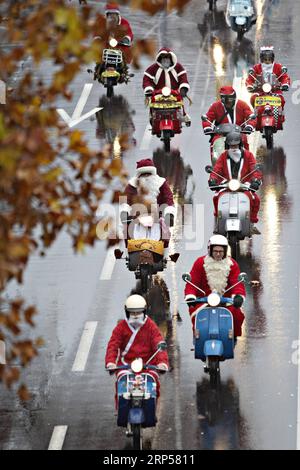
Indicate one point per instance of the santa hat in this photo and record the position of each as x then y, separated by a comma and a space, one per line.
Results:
145, 166
112, 8
227, 90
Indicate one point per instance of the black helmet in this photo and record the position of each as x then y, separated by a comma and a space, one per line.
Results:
228, 95
233, 138
267, 52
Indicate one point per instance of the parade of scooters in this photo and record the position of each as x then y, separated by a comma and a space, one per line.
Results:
149, 256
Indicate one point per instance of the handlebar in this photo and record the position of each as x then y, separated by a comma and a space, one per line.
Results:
223, 300
127, 367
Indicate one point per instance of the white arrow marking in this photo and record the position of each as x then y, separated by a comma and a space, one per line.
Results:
76, 116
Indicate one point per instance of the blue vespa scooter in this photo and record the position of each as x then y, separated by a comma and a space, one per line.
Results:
137, 397
214, 334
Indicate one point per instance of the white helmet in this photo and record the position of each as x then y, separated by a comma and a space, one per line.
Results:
217, 240
135, 303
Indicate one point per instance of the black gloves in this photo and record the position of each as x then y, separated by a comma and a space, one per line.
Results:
255, 184
125, 42
285, 87
183, 92
169, 219
212, 182
208, 130
190, 303
248, 128
238, 301
124, 216
148, 93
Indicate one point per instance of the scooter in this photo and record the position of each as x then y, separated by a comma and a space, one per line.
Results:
145, 250
217, 145
113, 69
233, 220
240, 16
267, 105
166, 116
137, 397
214, 333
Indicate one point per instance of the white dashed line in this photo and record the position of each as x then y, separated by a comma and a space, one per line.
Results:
84, 346
109, 264
58, 438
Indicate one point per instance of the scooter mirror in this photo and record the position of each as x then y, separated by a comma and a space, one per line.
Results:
252, 116
242, 277
258, 167
284, 69
208, 168
204, 117
251, 71
186, 277
162, 346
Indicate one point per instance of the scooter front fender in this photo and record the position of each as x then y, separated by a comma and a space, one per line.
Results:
136, 416
268, 121
166, 125
213, 347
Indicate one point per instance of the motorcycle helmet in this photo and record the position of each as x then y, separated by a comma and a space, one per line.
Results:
135, 303
233, 138
266, 53
217, 240
228, 96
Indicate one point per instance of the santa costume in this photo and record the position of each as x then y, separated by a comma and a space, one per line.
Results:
211, 275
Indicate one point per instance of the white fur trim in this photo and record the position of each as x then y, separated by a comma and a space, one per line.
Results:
181, 73
125, 208
167, 79
217, 273
157, 75
148, 75
169, 210
148, 88
172, 54
190, 297
146, 169
185, 85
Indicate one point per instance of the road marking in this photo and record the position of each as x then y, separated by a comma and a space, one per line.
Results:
58, 437
298, 399
145, 144
84, 346
109, 264
76, 116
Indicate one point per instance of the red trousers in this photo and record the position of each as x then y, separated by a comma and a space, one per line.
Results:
254, 204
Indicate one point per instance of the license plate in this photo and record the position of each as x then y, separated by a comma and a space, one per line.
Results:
263, 100
232, 225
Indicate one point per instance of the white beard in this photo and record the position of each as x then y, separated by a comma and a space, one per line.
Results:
267, 68
235, 155
217, 273
149, 187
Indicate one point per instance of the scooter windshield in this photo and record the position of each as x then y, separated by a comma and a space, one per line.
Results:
243, 8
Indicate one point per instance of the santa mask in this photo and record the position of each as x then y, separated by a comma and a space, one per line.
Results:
136, 321
235, 154
166, 63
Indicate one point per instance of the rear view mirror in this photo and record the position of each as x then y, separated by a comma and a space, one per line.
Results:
251, 71
284, 69
258, 167
242, 277
162, 346
174, 257
208, 168
186, 277
204, 117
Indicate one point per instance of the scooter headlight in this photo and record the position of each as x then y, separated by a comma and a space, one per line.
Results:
113, 42
234, 185
267, 87
213, 299
166, 91
137, 365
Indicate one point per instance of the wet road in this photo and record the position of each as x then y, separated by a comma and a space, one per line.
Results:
256, 407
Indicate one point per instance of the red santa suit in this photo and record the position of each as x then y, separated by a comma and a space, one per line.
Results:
152, 190
156, 77
218, 114
276, 69
127, 344
121, 31
210, 275
246, 165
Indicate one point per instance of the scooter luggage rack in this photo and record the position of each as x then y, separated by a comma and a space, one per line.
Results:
112, 57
